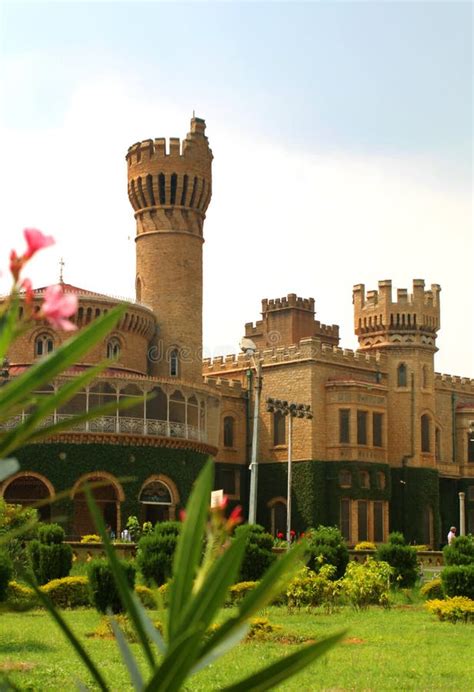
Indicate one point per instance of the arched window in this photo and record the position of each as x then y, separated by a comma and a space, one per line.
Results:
381, 480
174, 363
138, 288
44, 344
26, 489
228, 431
424, 377
177, 408
425, 433
157, 500
277, 508
157, 406
113, 348
279, 428
345, 478
107, 493
364, 479
129, 392
438, 444
193, 411
402, 375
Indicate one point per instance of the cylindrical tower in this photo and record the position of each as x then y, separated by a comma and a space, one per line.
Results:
170, 192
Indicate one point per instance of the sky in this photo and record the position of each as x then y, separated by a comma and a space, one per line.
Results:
342, 140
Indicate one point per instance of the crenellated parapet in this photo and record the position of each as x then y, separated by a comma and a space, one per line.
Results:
285, 321
411, 319
169, 183
308, 349
454, 382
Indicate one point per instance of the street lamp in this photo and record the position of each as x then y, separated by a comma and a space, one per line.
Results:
291, 410
249, 348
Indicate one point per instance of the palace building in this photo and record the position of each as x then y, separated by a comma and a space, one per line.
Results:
390, 445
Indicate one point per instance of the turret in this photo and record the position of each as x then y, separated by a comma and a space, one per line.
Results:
412, 320
169, 188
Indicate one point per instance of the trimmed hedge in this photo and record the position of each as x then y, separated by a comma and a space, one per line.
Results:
457, 609
460, 552
156, 551
327, 547
458, 580
69, 592
20, 597
146, 597
258, 554
403, 559
432, 589
50, 558
104, 594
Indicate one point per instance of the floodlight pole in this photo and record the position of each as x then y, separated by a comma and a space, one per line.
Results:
253, 463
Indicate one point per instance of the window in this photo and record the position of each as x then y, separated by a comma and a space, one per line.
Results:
174, 363
113, 348
470, 447
279, 428
361, 427
226, 481
470, 493
402, 375
425, 433
228, 431
364, 479
363, 528
381, 480
427, 525
424, 377
345, 521
345, 478
438, 444
344, 426
378, 522
43, 344
377, 429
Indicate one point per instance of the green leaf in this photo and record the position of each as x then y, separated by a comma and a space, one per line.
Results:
177, 663
189, 549
149, 627
8, 321
8, 467
44, 370
204, 605
232, 639
127, 656
73, 640
274, 580
286, 667
119, 577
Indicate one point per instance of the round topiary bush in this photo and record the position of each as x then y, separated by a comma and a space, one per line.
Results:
258, 555
6, 571
327, 547
156, 551
458, 580
50, 558
69, 592
103, 591
402, 558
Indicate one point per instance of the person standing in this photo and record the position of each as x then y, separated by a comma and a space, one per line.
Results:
451, 534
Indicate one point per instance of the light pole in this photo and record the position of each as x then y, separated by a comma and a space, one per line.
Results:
291, 410
249, 348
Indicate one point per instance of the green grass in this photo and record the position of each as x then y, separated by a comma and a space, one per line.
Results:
403, 648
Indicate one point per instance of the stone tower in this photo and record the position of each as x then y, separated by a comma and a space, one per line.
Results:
405, 329
169, 190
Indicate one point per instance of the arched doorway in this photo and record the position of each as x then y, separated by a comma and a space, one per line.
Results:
108, 496
26, 489
277, 508
158, 498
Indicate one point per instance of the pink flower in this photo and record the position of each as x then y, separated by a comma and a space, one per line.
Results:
280, 535
235, 518
16, 264
27, 286
182, 515
35, 240
57, 307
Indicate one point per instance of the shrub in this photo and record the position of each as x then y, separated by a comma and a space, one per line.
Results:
365, 545
16, 518
91, 538
457, 609
432, 589
262, 628
104, 628
146, 597
367, 583
460, 552
133, 528
69, 592
50, 558
458, 580
156, 550
6, 571
20, 597
237, 592
103, 591
421, 548
310, 589
258, 555
327, 546
402, 558
163, 595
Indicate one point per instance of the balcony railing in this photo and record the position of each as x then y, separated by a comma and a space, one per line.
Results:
120, 424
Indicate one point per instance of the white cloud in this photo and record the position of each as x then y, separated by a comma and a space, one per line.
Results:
280, 221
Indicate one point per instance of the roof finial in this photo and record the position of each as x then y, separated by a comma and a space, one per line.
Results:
61, 270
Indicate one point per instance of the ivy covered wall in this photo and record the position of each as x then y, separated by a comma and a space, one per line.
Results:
413, 491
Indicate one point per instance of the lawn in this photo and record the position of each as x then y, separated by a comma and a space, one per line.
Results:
401, 648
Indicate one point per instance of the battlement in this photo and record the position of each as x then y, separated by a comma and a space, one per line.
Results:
465, 384
308, 349
285, 321
225, 386
158, 149
289, 301
377, 316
